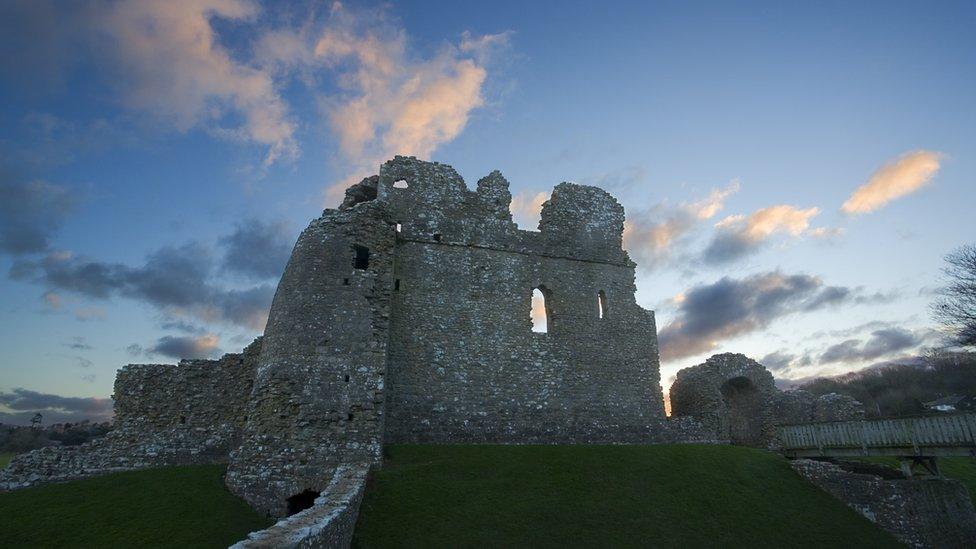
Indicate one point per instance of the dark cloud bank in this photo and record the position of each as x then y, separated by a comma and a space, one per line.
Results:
178, 280
22, 404
710, 313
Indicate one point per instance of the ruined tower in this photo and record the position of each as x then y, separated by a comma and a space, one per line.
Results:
403, 316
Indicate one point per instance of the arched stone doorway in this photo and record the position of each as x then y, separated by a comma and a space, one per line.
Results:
744, 405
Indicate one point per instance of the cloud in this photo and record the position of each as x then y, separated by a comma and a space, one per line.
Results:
19, 405
526, 209
899, 177
179, 280
711, 313
881, 343
30, 214
172, 65
160, 58
649, 235
180, 347
390, 100
258, 250
738, 235
777, 360
78, 343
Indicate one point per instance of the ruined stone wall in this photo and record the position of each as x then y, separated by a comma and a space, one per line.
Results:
191, 413
934, 513
430, 339
464, 364
317, 400
736, 398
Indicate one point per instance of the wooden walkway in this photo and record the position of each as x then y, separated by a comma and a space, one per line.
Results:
920, 439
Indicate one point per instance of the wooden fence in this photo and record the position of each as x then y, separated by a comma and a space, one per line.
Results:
923, 436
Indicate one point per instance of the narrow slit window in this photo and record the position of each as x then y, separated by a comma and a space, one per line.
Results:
437, 237
540, 313
361, 259
396, 285
399, 227
347, 378
401, 184
601, 299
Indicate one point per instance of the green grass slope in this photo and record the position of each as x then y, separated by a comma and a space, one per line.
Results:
168, 507
5, 459
601, 496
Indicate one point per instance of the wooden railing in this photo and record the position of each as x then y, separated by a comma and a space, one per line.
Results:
922, 436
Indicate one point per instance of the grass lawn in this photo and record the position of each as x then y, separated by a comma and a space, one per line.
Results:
5, 459
168, 507
962, 469
601, 496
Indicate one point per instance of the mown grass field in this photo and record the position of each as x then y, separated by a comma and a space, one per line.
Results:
601, 496
169, 507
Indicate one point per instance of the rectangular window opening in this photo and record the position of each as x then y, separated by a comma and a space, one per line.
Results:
361, 259
601, 299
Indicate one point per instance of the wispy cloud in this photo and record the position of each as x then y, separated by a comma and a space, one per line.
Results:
649, 235
392, 100
882, 343
739, 235
897, 178
526, 208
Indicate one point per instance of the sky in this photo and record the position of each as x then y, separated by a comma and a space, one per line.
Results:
793, 174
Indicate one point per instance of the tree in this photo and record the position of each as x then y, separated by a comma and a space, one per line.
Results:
956, 308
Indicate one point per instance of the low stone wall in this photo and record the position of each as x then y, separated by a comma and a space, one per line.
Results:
186, 414
120, 451
919, 512
328, 523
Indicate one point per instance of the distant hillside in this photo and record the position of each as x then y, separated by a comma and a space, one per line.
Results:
901, 389
601, 496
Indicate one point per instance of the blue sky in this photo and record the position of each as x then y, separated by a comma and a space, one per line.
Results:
792, 174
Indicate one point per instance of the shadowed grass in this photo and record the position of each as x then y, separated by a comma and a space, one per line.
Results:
168, 507
5, 459
601, 496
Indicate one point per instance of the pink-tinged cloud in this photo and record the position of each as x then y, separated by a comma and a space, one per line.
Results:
170, 64
650, 235
738, 235
526, 208
897, 178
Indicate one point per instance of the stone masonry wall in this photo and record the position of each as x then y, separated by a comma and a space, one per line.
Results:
191, 413
403, 315
317, 400
923, 513
464, 364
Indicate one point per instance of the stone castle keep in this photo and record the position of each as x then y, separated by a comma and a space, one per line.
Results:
403, 316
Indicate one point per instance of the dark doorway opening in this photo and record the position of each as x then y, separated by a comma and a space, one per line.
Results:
302, 501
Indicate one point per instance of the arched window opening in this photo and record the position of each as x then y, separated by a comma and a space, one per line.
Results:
541, 314
601, 299
401, 184
361, 259
302, 501
399, 227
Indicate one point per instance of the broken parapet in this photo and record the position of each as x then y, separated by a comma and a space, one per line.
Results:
191, 413
328, 523
924, 513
